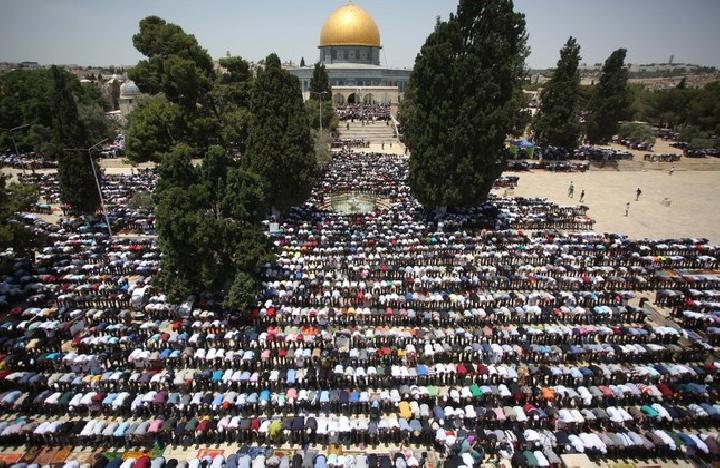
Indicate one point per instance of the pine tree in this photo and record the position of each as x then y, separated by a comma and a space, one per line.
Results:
302, 61
320, 84
201, 106
611, 100
558, 123
459, 106
280, 147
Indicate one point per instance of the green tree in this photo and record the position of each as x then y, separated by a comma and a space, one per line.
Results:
93, 118
27, 97
703, 143
280, 147
322, 148
329, 116
704, 108
688, 133
208, 218
679, 108
585, 96
209, 227
154, 126
142, 201
459, 106
176, 169
320, 84
637, 132
175, 61
698, 138
611, 101
522, 118
204, 108
669, 108
178, 218
231, 95
13, 233
78, 185
558, 121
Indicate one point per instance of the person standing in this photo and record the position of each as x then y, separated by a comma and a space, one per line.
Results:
627, 208
571, 190
637, 194
582, 195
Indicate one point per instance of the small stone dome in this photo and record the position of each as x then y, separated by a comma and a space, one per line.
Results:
129, 88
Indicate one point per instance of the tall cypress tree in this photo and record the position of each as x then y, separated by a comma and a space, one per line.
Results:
320, 83
459, 106
78, 185
209, 227
280, 147
611, 100
558, 122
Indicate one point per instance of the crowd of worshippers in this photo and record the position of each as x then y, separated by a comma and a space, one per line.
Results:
26, 160
244, 457
118, 191
546, 165
585, 152
363, 112
696, 305
482, 334
349, 143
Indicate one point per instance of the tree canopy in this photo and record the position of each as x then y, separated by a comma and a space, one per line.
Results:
27, 97
209, 227
459, 105
693, 112
13, 233
193, 103
254, 137
610, 102
280, 147
637, 132
71, 147
329, 116
153, 128
320, 84
558, 121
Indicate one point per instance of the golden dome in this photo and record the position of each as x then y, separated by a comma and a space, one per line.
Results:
350, 25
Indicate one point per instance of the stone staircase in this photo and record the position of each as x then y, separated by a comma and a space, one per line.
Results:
377, 132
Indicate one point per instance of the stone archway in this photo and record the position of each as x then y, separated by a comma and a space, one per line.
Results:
338, 99
353, 98
368, 99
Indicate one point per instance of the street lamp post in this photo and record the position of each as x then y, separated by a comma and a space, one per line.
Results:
320, 93
97, 179
12, 136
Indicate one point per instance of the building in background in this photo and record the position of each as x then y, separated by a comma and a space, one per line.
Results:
351, 50
123, 95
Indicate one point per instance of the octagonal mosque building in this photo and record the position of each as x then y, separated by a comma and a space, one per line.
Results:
351, 50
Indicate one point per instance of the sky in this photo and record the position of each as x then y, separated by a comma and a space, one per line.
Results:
99, 32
